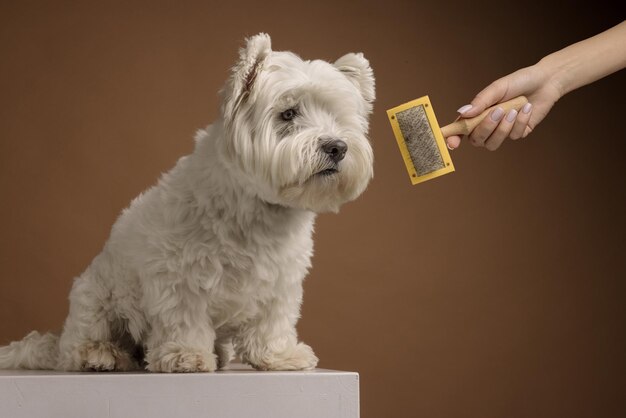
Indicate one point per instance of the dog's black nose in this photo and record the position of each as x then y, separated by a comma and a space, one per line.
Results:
335, 149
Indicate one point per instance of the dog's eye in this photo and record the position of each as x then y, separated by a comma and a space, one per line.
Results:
289, 114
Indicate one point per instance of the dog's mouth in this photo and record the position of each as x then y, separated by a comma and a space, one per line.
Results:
327, 172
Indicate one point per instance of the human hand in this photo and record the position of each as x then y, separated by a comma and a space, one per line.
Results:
535, 82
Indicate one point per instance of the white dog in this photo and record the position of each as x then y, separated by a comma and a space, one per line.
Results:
210, 261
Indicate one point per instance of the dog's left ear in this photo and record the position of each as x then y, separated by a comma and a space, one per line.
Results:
357, 68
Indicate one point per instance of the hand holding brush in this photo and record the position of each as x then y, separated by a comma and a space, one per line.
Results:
543, 84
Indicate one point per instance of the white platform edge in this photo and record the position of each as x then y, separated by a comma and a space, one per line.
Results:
238, 392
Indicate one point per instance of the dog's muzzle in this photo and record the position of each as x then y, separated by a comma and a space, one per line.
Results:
335, 151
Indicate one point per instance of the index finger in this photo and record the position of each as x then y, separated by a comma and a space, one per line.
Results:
490, 95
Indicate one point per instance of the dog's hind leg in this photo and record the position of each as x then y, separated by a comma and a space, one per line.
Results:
87, 341
224, 351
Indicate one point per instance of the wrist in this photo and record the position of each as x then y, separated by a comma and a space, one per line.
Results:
556, 73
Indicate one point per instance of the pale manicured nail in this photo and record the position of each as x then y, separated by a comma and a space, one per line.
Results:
527, 107
449, 147
465, 108
497, 114
510, 117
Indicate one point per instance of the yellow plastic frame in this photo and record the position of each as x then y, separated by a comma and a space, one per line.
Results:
441, 144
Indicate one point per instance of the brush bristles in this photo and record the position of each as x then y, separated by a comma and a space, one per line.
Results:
420, 140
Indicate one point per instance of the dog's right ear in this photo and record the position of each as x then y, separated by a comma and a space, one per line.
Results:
245, 72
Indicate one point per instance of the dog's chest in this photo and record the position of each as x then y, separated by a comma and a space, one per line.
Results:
256, 267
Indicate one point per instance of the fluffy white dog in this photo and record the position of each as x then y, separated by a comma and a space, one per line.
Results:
210, 261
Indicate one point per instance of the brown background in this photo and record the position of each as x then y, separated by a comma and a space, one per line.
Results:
492, 292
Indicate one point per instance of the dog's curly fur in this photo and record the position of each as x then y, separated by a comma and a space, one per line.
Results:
210, 261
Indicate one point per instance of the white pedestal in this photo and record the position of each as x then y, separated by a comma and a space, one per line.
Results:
235, 393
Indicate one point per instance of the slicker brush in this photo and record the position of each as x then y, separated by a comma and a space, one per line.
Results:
422, 142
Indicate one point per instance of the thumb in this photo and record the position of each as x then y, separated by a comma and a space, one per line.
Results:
453, 142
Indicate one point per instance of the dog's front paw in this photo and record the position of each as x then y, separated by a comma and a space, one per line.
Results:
173, 358
299, 357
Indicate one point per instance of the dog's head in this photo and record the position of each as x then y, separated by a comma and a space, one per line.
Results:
295, 130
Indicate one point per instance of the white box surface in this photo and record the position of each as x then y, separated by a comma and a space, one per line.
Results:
235, 393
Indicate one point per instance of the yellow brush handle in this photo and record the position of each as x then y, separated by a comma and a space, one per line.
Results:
465, 126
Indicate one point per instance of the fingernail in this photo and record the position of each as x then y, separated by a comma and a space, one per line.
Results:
465, 108
497, 114
527, 107
449, 147
510, 117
